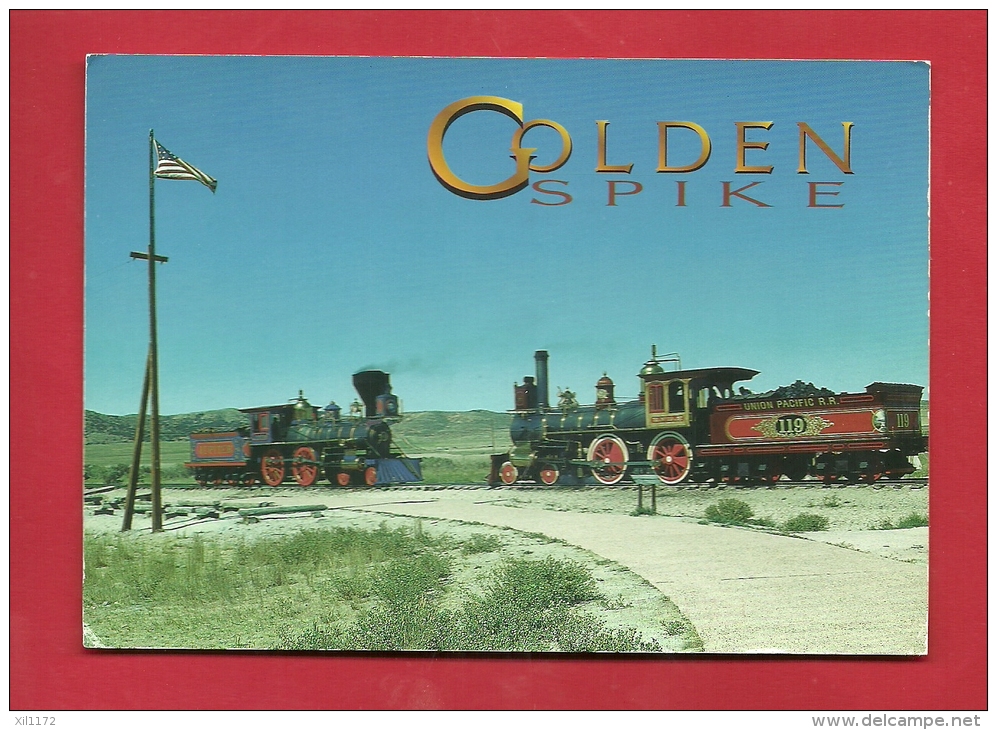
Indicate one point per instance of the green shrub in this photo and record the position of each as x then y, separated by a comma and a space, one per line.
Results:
730, 512
116, 473
914, 519
316, 638
805, 522
674, 628
530, 605
527, 605
178, 570
543, 583
479, 543
405, 583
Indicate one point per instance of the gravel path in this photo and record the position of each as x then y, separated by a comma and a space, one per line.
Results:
744, 590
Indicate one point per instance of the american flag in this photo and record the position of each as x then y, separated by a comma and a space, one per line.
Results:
172, 167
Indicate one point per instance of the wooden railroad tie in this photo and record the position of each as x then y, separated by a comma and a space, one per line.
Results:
252, 514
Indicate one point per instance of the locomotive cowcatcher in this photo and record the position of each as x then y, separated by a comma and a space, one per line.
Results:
299, 442
691, 426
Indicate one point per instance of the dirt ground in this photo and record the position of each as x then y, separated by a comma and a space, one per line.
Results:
849, 509
630, 598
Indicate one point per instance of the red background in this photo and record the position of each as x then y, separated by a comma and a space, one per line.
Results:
50, 669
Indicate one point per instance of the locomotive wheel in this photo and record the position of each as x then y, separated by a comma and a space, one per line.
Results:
303, 468
796, 468
613, 453
508, 473
343, 479
824, 468
873, 471
272, 467
549, 474
772, 472
671, 456
370, 476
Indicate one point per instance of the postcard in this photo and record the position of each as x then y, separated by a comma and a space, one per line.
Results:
506, 355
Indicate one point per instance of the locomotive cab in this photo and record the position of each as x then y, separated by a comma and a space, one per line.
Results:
269, 423
682, 398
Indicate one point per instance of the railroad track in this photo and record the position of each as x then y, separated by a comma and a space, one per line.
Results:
906, 482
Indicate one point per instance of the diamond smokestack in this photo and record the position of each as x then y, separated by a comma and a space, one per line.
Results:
370, 384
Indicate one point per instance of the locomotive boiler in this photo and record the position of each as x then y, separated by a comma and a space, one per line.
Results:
690, 425
302, 443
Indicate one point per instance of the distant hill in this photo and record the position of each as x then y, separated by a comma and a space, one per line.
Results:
423, 431
418, 431
103, 429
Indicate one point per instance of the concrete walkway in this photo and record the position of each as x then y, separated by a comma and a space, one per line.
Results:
744, 590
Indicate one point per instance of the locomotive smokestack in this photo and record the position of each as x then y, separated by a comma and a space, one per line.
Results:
370, 384
543, 396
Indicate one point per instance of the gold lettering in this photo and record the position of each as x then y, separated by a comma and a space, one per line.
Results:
744, 145
705, 146
845, 165
814, 192
517, 141
434, 143
538, 186
728, 193
637, 187
601, 165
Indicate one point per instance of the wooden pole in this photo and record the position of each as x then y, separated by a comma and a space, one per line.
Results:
136, 452
157, 497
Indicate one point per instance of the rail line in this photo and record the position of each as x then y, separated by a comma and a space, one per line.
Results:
909, 482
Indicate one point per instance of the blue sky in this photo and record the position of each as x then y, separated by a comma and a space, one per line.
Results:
330, 247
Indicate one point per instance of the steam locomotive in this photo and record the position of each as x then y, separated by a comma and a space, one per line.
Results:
691, 426
300, 442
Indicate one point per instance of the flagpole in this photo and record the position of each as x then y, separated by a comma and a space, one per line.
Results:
157, 499
173, 167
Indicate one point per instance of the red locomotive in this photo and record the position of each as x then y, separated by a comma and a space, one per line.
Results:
691, 426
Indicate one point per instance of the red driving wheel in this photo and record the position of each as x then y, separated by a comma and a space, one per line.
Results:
370, 476
272, 467
304, 468
671, 457
612, 453
548, 474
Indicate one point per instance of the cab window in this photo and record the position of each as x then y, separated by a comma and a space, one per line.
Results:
655, 397
676, 396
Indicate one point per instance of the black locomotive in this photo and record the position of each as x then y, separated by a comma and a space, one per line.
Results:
300, 442
691, 426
